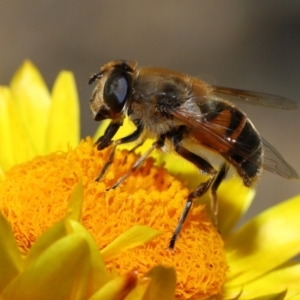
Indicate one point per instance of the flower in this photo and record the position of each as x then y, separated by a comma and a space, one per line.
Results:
57, 218
45, 184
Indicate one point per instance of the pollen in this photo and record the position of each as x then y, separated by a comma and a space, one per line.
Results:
35, 195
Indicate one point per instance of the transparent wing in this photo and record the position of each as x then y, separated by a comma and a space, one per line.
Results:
273, 161
255, 98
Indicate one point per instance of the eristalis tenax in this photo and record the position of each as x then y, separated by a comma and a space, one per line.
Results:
181, 113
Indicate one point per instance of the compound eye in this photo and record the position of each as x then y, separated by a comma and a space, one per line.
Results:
116, 91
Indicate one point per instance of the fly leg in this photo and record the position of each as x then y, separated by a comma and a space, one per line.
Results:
176, 138
106, 140
156, 145
206, 167
213, 183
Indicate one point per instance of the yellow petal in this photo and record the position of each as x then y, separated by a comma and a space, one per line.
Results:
264, 243
32, 104
162, 284
98, 275
49, 237
238, 293
135, 236
6, 150
118, 288
273, 296
10, 257
63, 129
16, 146
59, 273
75, 203
139, 291
283, 279
234, 200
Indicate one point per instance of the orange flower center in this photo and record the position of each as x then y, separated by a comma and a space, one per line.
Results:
34, 196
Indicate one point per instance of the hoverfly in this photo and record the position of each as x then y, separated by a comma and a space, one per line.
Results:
179, 110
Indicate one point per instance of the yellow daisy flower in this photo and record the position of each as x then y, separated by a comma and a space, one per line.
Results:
55, 218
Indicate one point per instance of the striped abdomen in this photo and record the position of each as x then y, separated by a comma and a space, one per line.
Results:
233, 136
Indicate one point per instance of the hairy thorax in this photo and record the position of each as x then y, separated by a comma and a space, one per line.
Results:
153, 95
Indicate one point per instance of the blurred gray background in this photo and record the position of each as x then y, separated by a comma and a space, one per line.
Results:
253, 45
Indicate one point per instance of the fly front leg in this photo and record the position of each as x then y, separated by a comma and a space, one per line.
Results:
105, 141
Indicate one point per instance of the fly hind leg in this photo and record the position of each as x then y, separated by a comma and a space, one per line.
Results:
200, 190
176, 138
212, 183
